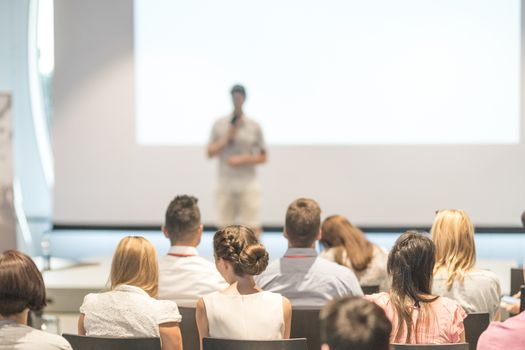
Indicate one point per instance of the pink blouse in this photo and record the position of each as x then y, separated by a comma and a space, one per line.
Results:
446, 326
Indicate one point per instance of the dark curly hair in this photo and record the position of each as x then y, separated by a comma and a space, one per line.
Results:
239, 246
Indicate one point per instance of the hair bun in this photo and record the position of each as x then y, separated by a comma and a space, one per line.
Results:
254, 259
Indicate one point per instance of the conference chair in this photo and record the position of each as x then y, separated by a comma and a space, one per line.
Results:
475, 324
188, 329
80, 342
232, 344
306, 324
458, 346
370, 289
516, 280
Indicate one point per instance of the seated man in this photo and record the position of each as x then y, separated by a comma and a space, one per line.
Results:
184, 276
353, 323
300, 275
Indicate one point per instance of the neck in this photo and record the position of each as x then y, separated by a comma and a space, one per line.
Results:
238, 112
246, 284
290, 245
20, 318
193, 244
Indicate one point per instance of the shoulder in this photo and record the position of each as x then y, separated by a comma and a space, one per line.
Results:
90, 300
449, 305
40, 337
333, 268
487, 275
167, 311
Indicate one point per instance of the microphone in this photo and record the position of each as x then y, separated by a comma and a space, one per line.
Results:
234, 119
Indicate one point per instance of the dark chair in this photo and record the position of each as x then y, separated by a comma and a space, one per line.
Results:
459, 346
370, 289
79, 342
306, 324
188, 329
475, 324
516, 280
231, 344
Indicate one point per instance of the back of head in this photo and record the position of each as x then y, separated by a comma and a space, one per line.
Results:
239, 246
302, 223
339, 233
183, 219
135, 263
353, 323
410, 265
21, 284
453, 236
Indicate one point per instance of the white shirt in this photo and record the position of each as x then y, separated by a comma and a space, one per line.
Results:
308, 280
184, 276
479, 292
374, 274
126, 311
257, 316
14, 336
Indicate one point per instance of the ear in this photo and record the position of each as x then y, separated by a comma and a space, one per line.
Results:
319, 235
165, 231
285, 235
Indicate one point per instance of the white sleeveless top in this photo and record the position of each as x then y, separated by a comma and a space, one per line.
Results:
257, 316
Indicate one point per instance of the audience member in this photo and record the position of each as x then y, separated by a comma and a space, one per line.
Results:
353, 323
347, 245
508, 335
300, 275
21, 290
417, 316
184, 276
130, 309
243, 310
455, 275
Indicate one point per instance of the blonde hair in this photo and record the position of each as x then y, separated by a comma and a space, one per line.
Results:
135, 263
453, 235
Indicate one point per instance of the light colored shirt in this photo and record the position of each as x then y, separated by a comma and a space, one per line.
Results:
248, 140
479, 292
445, 326
308, 280
126, 311
508, 335
374, 274
14, 336
184, 276
257, 316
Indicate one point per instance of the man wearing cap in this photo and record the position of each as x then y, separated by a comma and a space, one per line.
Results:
238, 143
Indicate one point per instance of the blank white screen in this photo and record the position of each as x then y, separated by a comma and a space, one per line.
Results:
330, 72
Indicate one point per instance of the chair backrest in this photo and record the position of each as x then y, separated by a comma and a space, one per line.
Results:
188, 329
516, 280
475, 324
306, 324
459, 346
232, 344
79, 342
370, 289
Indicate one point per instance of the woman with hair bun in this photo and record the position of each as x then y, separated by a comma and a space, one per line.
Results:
243, 310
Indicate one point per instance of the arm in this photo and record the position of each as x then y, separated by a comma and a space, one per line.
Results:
214, 148
248, 159
287, 313
170, 336
81, 329
202, 320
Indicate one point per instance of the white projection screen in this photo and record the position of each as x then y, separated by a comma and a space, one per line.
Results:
382, 110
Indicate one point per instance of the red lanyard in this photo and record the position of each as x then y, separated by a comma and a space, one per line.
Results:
181, 255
